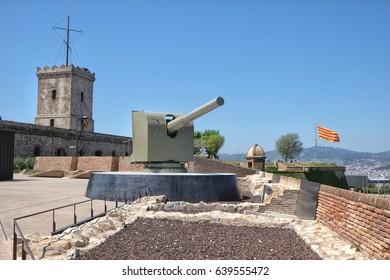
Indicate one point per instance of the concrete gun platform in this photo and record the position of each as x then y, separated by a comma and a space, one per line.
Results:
27, 195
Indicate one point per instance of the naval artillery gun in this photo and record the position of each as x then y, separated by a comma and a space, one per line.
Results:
162, 142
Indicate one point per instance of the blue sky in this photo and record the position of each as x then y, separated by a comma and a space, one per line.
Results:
281, 66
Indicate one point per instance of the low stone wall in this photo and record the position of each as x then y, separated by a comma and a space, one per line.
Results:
285, 204
362, 219
279, 196
292, 183
58, 163
297, 167
201, 164
50, 174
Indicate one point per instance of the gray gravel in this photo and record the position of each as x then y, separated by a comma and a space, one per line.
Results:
164, 239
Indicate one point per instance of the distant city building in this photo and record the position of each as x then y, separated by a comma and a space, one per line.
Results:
357, 180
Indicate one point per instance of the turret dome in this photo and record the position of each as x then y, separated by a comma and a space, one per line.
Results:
255, 152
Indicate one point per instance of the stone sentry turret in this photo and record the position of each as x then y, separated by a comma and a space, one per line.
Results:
163, 141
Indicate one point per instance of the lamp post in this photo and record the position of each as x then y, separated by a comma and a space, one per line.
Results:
77, 132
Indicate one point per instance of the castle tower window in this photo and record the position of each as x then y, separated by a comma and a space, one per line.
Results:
37, 151
60, 152
82, 96
52, 122
53, 94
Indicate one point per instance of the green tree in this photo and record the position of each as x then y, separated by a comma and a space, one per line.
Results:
198, 143
209, 141
289, 146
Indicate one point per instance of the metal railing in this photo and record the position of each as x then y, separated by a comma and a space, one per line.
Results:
25, 248
3, 231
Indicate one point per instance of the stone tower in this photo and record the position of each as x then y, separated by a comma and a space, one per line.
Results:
65, 97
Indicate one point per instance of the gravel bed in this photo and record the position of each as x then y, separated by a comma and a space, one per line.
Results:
165, 239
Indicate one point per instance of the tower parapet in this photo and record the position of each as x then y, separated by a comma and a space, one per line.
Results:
57, 71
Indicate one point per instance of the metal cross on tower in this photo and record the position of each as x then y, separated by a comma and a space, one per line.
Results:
67, 43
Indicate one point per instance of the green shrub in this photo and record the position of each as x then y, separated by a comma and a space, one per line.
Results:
322, 177
21, 163
327, 178
372, 189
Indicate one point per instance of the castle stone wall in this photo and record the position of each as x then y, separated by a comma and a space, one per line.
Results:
201, 164
35, 140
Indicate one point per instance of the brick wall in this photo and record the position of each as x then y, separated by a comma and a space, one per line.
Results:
98, 163
362, 219
77, 163
57, 163
201, 164
125, 166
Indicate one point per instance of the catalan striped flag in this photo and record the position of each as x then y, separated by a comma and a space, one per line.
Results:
327, 134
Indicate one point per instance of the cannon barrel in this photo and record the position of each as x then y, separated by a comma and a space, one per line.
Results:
185, 119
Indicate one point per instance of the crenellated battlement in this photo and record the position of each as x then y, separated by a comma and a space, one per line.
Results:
58, 71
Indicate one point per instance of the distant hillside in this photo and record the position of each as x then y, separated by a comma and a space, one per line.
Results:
351, 159
385, 154
327, 154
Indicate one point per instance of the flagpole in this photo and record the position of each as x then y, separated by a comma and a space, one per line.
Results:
315, 137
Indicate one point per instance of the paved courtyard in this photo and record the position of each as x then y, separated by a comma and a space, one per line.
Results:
26, 195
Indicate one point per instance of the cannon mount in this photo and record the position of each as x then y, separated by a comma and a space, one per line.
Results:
163, 141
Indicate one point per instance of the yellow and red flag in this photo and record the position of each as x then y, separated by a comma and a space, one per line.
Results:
327, 134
